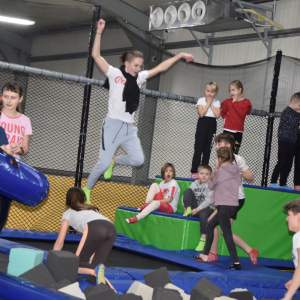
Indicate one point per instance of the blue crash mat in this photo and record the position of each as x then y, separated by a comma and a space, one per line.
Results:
263, 282
183, 257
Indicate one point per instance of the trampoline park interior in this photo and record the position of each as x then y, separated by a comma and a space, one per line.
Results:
65, 101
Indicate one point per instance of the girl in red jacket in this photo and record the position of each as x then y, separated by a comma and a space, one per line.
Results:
234, 112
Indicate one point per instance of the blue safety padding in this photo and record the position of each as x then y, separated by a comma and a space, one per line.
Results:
16, 288
21, 182
158, 213
244, 185
185, 257
263, 282
36, 235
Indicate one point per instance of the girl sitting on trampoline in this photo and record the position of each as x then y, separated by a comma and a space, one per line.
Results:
225, 183
124, 91
98, 236
163, 197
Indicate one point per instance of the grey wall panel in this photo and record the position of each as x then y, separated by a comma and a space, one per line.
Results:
77, 41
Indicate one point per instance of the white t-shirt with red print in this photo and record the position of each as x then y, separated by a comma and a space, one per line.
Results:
15, 129
170, 189
116, 105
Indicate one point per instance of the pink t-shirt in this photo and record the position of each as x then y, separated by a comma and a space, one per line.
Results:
15, 129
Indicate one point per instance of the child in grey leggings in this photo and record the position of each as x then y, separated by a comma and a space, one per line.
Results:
124, 91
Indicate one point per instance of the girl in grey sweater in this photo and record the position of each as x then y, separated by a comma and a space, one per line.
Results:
225, 183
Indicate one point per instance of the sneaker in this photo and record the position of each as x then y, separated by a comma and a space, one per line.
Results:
235, 267
188, 213
253, 255
143, 206
286, 187
201, 245
132, 220
274, 186
109, 172
99, 271
297, 188
194, 176
87, 194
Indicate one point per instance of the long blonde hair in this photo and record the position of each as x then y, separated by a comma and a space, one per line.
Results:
226, 155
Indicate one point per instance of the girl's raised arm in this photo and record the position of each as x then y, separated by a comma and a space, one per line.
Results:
166, 64
100, 61
62, 235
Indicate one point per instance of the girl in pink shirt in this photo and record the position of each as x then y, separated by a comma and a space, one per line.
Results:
17, 128
225, 183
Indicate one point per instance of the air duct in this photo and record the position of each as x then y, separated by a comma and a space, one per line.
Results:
203, 15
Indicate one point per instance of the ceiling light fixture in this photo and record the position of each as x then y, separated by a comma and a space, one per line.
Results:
16, 21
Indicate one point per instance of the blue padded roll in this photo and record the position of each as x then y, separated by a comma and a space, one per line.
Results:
20, 182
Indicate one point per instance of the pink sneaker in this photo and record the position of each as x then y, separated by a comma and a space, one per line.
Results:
194, 176
253, 255
132, 220
143, 206
297, 188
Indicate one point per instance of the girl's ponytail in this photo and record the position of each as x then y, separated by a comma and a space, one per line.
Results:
224, 154
75, 199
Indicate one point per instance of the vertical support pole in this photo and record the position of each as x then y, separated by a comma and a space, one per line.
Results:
86, 99
268, 145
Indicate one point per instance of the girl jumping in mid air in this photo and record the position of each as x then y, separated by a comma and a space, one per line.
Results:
18, 130
208, 110
234, 112
163, 197
98, 236
225, 183
124, 90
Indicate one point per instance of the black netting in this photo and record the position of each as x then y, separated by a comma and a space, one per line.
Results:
166, 129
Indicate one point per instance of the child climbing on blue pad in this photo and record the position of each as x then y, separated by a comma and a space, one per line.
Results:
98, 237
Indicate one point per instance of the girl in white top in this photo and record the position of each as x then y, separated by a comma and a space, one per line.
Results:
163, 197
208, 110
98, 236
124, 87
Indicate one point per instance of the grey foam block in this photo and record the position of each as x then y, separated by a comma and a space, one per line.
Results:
39, 274
205, 290
63, 265
129, 297
104, 295
73, 290
141, 289
165, 294
244, 295
96, 291
158, 278
61, 284
88, 289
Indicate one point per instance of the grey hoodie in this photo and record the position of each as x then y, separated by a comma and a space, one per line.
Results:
225, 186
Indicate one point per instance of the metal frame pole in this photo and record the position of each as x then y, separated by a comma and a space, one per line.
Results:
269, 135
86, 99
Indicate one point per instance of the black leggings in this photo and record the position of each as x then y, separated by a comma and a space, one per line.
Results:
100, 240
297, 161
286, 152
222, 217
238, 136
204, 140
4, 209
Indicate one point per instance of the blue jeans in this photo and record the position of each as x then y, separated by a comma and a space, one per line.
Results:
222, 217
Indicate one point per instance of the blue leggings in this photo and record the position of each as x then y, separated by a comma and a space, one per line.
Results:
117, 133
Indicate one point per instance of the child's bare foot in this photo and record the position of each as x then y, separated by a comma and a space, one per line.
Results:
201, 257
